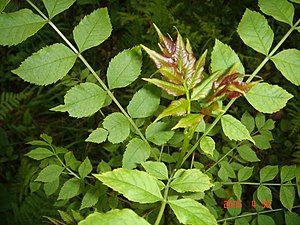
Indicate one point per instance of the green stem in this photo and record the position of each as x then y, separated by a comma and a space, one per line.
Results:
256, 184
110, 94
262, 64
254, 214
165, 200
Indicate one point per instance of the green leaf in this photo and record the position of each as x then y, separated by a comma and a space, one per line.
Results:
48, 65
262, 142
17, 26
170, 88
144, 103
3, 4
55, 7
189, 211
124, 68
228, 168
90, 198
51, 187
245, 173
263, 220
267, 98
248, 121
255, 32
264, 194
159, 133
189, 120
117, 126
66, 217
97, 136
237, 190
176, 108
202, 90
268, 173
137, 186
207, 145
281, 10
292, 218
223, 58
85, 168
260, 120
287, 196
70, 189
287, 173
288, 63
247, 153
136, 151
114, 217
49, 173
92, 30
234, 129
192, 180
156, 169
39, 153
82, 100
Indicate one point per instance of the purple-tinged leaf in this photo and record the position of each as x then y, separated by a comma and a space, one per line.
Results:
189, 121
171, 74
159, 60
176, 108
181, 55
168, 47
172, 89
197, 76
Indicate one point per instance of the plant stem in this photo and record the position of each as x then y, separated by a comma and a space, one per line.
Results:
165, 200
261, 65
110, 94
256, 184
254, 214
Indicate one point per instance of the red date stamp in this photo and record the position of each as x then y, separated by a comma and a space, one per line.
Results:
235, 204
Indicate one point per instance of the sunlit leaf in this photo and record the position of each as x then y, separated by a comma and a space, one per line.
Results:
189, 211
92, 30
114, 217
55, 7
176, 108
197, 76
156, 169
247, 154
207, 145
234, 129
288, 63
144, 102
170, 88
267, 98
82, 100
192, 180
49, 173
255, 31
124, 68
137, 186
39, 153
17, 26
281, 10
136, 151
189, 121
97, 136
223, 58
47, 66
171, 74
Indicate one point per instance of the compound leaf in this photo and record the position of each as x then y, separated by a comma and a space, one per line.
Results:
124, 68
281, 10
136, 151
118, 127
137, 186
47, 66
17, 26
255, 32
189, 211
144, 103
288, 63
114, 217
234, 129
267, 98
55, 7
82, 100
223, 58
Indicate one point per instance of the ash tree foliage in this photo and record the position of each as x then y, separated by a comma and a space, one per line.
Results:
163, 175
